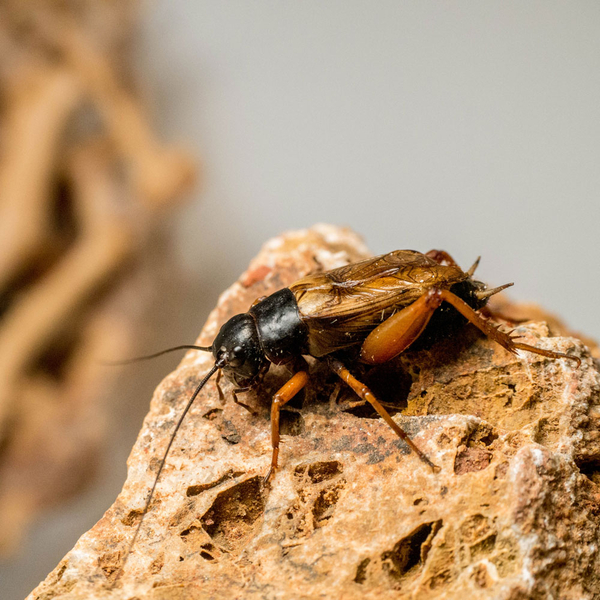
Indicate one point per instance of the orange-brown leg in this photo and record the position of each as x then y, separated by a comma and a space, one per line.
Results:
504, 339
282, 397
398, 332
365, 393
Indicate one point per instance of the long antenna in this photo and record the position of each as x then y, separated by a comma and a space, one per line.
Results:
128, 361
212, 371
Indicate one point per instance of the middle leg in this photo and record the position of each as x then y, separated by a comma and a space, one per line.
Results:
366, 394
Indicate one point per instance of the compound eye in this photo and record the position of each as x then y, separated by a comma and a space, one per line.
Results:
236, 357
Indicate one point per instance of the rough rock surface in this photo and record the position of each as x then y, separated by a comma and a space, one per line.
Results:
514, 514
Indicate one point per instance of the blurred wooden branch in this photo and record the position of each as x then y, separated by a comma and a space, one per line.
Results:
83, 182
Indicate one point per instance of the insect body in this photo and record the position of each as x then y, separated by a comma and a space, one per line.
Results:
379, 306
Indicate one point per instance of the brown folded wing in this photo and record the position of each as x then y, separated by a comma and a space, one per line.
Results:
341, 307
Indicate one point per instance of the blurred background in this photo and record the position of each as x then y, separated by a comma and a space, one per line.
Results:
147, 150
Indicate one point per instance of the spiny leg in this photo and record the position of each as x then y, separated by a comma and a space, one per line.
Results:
398, 332
504, 339
365, 393
282, 397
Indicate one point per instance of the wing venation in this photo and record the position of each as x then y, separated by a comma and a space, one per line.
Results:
341, 306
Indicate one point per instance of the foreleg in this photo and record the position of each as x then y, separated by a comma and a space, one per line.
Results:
282, 397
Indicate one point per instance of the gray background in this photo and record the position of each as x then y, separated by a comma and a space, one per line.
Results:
468, 126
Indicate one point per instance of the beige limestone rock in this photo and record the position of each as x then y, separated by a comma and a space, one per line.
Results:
351, 513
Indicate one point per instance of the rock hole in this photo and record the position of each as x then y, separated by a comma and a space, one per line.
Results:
207, 552
291, 423
439, 580
390, 385
590, 469
110, 564
298, 400
482, 435
361, 571
194, 537
157, 564
319, 487
190, 530
325, 504
489, 438
231, 518
132, 517
410, 552
61, 571
506, 557
319, 471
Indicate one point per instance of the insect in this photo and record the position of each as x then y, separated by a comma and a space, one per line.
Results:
378, 307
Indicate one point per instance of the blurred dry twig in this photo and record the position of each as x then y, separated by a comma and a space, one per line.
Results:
83, 184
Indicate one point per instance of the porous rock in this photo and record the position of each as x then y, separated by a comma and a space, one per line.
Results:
351, 513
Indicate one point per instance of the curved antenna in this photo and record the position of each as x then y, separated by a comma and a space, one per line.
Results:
156, 354
199, 387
